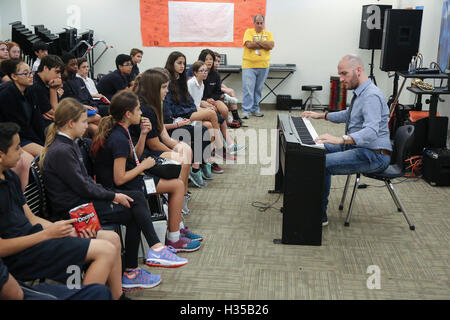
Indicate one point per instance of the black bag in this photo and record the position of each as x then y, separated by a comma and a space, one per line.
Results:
165, 168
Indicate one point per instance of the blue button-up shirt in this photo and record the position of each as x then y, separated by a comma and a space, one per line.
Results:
368, 125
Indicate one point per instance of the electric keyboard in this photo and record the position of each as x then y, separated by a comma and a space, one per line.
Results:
300, 176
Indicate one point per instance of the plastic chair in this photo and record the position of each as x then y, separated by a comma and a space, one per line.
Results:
396, 169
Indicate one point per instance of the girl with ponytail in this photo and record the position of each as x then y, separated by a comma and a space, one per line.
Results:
119, 164
68, 185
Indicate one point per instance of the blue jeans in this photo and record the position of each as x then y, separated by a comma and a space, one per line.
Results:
252, 83
351, 161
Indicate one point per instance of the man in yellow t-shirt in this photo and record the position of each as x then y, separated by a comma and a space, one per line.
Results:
255, 65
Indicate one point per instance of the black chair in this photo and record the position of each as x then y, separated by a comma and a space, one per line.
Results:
396, 169
35, 192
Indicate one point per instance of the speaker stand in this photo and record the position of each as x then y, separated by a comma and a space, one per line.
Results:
371, 76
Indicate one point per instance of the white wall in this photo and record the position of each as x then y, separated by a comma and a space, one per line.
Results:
313, 34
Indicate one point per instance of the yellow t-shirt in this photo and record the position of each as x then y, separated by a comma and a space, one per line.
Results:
259, 58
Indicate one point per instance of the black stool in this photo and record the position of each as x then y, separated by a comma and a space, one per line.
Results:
311, 97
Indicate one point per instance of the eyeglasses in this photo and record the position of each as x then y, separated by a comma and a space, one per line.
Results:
26, 74
127, 65
203, 71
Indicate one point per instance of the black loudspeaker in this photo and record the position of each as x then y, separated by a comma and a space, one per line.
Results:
401, 36
436, 167
372, 22
437, 132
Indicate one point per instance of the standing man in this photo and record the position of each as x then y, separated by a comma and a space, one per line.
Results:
365, 147
255, 65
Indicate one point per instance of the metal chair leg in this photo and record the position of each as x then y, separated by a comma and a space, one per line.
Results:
399, 204
350, 207
344, 194
310, 103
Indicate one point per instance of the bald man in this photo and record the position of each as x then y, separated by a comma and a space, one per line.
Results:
365, 147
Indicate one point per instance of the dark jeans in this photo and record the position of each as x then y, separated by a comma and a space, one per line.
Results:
137, 219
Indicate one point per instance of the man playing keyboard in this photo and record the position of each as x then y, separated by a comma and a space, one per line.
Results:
365, 147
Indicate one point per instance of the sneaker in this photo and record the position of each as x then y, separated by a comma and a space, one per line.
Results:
234, 148
258, 114
197, 179
216, 169
234, 124
190, 235
184, 244
225, 155
139, 279
165, 258
245, 115
206, 171
185, 209
324, 220
229, 99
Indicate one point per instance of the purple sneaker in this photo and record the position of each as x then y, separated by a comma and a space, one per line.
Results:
190, 235
184, 244
165, 258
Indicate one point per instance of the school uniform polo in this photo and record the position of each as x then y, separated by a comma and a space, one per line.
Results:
196, 90
134, 73
111, 83
213, 86
67, 182
117, 145
135, 130
90, 84
41, 92
74, 87
47, 259
23, 110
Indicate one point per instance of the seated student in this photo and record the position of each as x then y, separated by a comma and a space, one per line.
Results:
180, 104
68, 185
117, 80
83, 73
136, 58
158, 143
4, 55
34, 248
74, 87
214, 97
14, 50
118, 164
46, 86
229, 98
40, 49
19, 106
11, 289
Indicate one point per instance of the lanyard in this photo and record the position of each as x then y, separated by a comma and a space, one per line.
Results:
131, 144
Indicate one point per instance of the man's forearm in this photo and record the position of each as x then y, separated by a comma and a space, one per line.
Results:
267, 45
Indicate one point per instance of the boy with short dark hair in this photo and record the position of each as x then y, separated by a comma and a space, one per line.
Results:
40, 49
34, 248
46, 83
117, 80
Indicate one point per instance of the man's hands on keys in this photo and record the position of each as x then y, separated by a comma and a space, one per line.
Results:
313, 115
323, 138
328, 138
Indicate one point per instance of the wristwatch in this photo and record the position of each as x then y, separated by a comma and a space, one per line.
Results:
346, 139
